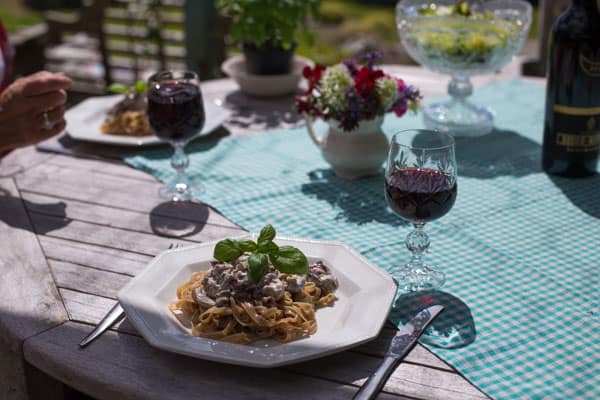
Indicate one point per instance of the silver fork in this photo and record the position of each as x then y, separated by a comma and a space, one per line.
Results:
116, 314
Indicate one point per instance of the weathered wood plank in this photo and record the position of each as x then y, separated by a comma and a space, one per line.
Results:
115, 238
191, 227
111, 191
20, 160
125, 367
98, 257
408, 379
88, 280
90, 309
29, 301
106, 167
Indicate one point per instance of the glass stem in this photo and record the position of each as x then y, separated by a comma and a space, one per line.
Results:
179, 160
460, 88
417, 242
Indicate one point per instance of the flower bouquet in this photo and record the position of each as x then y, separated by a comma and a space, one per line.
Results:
353, 99
350, 93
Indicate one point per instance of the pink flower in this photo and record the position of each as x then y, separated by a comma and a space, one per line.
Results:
401, 85
364, 81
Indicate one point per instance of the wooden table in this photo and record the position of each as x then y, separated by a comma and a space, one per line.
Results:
75, 230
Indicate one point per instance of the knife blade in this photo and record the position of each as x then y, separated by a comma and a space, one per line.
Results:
114, 315
402, 343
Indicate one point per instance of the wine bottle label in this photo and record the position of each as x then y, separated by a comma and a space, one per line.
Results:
577, 129
589, 67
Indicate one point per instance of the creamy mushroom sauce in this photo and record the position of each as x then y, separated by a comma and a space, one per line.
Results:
225, 280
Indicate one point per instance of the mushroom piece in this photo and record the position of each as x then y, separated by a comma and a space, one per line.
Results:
202, 299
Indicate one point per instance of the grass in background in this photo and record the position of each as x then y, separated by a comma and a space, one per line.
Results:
15, 15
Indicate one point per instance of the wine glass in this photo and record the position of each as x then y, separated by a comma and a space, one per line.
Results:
420, 186
176, 114
480, 40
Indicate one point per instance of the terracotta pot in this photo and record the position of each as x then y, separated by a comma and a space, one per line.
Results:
354, 154
268, 59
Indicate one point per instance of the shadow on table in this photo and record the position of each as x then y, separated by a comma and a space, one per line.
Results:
57, 217
452, 328
360, 201
65, 144
268, 112
178, 219
582, 192
500, 153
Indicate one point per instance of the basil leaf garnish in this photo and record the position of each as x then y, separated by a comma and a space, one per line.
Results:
227, 250
258, 266
266, 234
118, 88
247, 245
267, 247
290, 260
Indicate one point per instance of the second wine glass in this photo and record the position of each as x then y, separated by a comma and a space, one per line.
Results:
176, 114
420, 186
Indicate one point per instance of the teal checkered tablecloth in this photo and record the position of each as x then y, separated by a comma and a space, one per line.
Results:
520, 249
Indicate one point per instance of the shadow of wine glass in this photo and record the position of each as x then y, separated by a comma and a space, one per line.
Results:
178, 219
582, 192
360, 201
452, 328
500, 153
54, 214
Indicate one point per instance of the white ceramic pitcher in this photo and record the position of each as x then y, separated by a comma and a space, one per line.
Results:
356, 153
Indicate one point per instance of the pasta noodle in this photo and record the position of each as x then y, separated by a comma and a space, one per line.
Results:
130, 123
247, 320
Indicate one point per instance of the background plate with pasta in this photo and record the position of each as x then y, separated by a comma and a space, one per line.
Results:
85, 119
364, 298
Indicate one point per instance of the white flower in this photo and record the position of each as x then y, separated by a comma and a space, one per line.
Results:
387, 90
333, 86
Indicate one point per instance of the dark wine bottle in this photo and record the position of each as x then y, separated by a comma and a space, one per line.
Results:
572, 120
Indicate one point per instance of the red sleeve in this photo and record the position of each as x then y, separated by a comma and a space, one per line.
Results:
6, 58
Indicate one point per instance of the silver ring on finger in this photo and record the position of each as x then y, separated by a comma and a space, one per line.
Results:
48, 123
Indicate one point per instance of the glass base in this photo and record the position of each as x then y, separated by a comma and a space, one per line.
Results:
181, 190
414, 279
459, 118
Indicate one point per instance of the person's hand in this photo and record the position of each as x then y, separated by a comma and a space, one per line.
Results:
23, 105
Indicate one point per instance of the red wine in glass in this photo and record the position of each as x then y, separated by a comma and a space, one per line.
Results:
176, 114
420, 194
175, 110
420, 186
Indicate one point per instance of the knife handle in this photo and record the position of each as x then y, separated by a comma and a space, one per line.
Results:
114, 315
373, 385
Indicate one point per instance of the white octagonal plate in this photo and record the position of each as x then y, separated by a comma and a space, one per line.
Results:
85, 119
364, 298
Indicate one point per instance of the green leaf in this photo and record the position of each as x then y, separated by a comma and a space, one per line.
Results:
267, 247
141, 87
227, 250
290, 260
118, 88
258, 266
266, 234
247, 245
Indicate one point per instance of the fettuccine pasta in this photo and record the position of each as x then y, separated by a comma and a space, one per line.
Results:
222, 304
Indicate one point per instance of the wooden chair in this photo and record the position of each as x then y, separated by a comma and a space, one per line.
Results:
128, 39
548, 11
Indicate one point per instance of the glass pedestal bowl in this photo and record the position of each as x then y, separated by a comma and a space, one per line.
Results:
462, 39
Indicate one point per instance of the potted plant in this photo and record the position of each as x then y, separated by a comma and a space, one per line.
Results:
267, 31
353, 99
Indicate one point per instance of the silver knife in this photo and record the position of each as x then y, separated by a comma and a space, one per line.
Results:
115, 315
402, 343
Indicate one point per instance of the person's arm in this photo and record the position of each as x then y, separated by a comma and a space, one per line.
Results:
22, 105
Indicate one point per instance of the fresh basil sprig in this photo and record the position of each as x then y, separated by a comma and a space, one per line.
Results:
139, 87
287, 259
